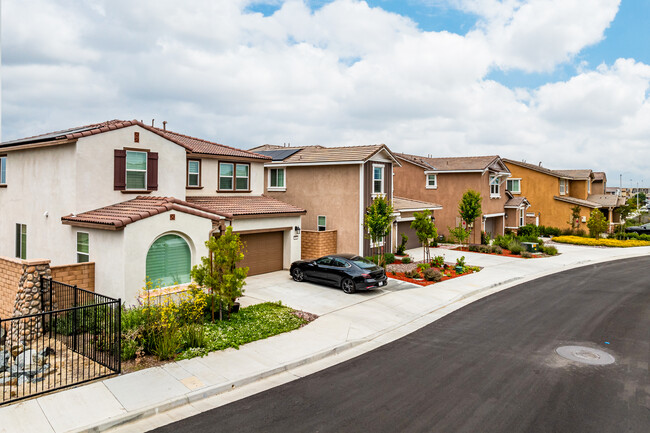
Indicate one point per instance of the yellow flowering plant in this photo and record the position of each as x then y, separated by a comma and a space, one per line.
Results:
578, 240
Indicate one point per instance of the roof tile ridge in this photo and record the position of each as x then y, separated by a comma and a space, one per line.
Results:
179, 202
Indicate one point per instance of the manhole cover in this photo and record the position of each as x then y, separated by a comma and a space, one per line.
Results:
585, 355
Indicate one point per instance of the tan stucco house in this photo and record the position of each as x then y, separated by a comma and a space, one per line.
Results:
445, 180
138, 201
334, 185
554, 193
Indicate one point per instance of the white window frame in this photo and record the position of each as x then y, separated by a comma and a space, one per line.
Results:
321, 227
282, 187
226, 177
564, 187
382, 180
518, 191
80, 252
435, 181
588, 186
20, 252
3, 169
126, 165
522, 217
247, 177
198, 173
495, 182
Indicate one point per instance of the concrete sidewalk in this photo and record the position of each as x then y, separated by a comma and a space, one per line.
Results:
361, 321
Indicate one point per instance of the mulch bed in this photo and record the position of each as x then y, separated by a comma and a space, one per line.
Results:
397, 271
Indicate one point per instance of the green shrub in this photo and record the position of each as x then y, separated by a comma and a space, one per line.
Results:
461, 261
406, 260
485, 238
423, 266
530, 239
526, 254
567, 232
193, 335
551, 231
503, 241
580, 233
130, 345
438, 261
401, 248
431, 274
484, 249
551, 251
528, 230
167, 343
515, 247
496, 249
389, 258
413, 273
473, 248
374, 259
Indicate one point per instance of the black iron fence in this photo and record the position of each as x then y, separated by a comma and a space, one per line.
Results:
75, 338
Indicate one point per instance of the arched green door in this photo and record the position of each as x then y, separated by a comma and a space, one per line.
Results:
169, 261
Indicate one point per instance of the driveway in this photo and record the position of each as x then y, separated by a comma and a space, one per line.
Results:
311, 297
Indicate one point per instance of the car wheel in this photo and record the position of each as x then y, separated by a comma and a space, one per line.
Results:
298, 275
348, 286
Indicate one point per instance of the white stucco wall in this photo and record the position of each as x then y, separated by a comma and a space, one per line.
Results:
291, 246
139, 236
210, 176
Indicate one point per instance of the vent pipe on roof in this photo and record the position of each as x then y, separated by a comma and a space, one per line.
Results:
152, 120
164, 125
540, 163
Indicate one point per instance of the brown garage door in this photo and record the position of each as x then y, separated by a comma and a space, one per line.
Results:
262, 252
405, 227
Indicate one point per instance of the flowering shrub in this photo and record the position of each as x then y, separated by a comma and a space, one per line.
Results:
600, 242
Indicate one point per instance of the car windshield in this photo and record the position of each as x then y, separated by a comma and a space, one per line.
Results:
363, 263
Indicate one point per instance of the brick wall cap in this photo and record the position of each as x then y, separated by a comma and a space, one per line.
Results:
57, 267
32, 262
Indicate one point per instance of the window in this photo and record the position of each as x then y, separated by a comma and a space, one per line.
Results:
588, 186
432, 181
494, 187
136, 170
276, 178
3, 170
378, 179
514, 186
21, 241
564, 187
233, 176
169, 261
522, 216
193, 172
83, 255
322, 226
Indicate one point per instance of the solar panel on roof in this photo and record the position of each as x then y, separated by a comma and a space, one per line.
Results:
278, 155
46, 137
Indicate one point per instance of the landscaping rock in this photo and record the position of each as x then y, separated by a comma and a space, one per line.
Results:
5, 358
28, 361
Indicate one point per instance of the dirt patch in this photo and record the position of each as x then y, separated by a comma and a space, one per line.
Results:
309, 317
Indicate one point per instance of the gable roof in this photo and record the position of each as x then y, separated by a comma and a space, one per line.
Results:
600, 176
459, 163
346, 154
191, 144
578, 201
119, 215
607, 200
241, 206
564, 174
402, 204
516, 202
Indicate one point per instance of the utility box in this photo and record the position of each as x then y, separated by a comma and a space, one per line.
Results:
531, 247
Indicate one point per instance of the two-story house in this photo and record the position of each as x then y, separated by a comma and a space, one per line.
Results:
138, 201
555, 193
334, 185
445, 180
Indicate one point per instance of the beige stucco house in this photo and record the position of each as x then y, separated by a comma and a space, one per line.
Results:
138, 201
334, 185
445, 180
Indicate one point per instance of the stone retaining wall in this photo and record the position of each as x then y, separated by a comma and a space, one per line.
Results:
316, 244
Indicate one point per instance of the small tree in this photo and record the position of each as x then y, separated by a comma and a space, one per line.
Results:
377, 221
469, 208
597, 223
425, 230
460, 234
575, 217
219, 271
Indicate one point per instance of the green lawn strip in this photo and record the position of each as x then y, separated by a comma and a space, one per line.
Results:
249, 324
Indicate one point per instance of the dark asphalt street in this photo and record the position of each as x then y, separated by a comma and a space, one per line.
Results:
488, 367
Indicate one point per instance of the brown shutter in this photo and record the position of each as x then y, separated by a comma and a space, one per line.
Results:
152, 171
119, 170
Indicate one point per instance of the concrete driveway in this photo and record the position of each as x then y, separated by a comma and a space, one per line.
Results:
311, 297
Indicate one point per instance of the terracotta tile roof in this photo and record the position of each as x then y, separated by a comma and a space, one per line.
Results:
453, 163
600, 175
403, 204
192, 144
319, 154
569, 174
607, 200
117, 216
516, 202
578, 201
245, 205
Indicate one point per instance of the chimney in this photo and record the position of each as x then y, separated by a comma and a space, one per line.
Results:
164, 125
152, 120
540, 163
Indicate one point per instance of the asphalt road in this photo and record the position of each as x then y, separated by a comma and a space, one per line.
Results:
488, 367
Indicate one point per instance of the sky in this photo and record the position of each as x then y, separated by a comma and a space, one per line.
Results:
561, 82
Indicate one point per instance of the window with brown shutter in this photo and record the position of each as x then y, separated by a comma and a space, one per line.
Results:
119, 170
152, 171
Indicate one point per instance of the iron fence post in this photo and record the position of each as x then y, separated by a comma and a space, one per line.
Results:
74, 320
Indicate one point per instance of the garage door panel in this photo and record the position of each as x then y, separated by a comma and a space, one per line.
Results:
405, 227
263, 252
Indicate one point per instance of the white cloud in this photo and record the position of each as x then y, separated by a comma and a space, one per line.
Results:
345, 73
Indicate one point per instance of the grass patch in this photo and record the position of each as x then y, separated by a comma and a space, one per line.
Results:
252, 323
577, 240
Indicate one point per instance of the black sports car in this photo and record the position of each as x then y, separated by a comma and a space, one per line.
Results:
347, 271
642, 230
